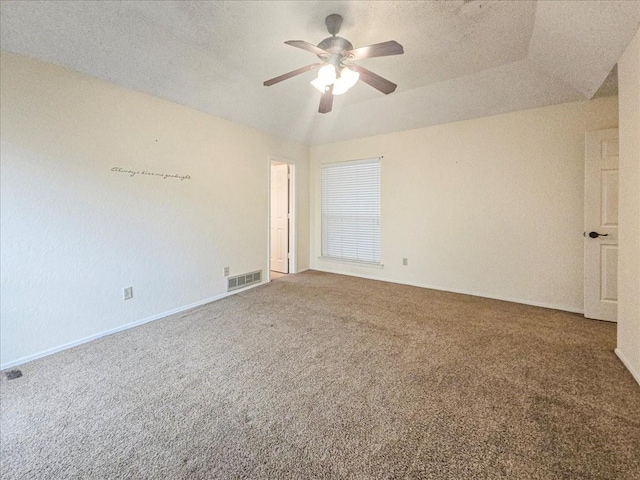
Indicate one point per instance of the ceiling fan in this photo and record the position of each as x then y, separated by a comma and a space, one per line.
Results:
336, 73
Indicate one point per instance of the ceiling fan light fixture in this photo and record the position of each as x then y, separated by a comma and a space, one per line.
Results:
326, 77
319, 85
348, 78
327, 74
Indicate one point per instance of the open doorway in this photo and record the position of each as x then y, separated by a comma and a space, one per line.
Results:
281, 218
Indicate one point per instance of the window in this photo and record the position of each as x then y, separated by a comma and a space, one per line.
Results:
351, 211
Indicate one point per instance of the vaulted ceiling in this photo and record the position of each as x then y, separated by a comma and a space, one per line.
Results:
463, 59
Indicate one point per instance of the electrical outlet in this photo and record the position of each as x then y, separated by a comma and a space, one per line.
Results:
226, 271
405, 261
128, 293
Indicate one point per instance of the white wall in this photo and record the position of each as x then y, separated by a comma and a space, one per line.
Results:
492, 206
629, 209
74, 233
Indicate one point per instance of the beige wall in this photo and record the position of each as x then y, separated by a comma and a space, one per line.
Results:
491, 207
75, 233
629, 209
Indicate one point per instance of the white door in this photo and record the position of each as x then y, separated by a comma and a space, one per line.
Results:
601, 225
280, 218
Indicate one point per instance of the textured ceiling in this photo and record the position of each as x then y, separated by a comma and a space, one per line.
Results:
462, 59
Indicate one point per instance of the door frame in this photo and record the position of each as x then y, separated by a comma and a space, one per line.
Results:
292, 214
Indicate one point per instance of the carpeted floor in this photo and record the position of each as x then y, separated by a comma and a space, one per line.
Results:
324, 376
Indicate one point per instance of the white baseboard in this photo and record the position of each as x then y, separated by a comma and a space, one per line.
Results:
127, 326
626, 363
463, 292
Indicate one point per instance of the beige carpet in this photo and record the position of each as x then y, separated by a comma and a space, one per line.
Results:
325, 376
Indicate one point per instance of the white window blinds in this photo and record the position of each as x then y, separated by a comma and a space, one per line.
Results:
351, 211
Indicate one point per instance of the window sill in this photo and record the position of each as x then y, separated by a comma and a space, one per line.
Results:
352, 262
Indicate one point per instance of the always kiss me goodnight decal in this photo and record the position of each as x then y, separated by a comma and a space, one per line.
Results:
133, 173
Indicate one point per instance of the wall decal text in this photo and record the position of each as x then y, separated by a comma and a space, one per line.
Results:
133, 173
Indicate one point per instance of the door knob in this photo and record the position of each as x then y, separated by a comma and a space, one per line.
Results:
596, 234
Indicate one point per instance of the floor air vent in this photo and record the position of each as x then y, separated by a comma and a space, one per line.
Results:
244, 280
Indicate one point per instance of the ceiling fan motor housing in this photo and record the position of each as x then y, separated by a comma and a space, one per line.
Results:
335, 46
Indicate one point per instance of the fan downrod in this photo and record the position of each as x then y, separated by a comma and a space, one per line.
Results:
333, 23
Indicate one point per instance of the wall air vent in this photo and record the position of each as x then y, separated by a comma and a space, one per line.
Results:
244, 280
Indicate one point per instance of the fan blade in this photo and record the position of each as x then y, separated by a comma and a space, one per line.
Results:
378, 50
286, 76
326, 101
308, 47
376, 81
